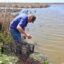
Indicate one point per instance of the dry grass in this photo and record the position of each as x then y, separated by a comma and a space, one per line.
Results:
24, 5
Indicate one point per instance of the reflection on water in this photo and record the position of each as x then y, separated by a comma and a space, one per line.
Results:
48, 32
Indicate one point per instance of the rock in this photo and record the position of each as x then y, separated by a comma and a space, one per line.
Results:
37, 58
26, 50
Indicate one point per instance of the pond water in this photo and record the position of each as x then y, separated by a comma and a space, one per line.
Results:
48, 32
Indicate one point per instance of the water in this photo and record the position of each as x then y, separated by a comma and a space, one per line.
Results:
48, 32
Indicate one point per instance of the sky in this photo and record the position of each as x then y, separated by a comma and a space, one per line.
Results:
34, 1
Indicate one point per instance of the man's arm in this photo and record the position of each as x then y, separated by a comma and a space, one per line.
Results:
20, 29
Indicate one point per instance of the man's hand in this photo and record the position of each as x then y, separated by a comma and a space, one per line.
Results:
29, 36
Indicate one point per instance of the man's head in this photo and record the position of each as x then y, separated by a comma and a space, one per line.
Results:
31, 18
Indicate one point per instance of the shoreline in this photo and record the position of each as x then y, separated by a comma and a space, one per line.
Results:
25, 5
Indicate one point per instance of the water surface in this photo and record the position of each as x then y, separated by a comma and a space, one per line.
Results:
48, 32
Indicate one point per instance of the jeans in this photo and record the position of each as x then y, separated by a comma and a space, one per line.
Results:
16, 36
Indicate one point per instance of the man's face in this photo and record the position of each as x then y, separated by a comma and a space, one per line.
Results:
30, 19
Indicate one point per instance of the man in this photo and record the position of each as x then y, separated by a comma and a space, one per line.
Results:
17, 28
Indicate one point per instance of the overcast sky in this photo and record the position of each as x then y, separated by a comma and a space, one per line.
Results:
41, 1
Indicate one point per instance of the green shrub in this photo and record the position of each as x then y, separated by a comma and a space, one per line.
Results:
4, 59
5, 38
5, 42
